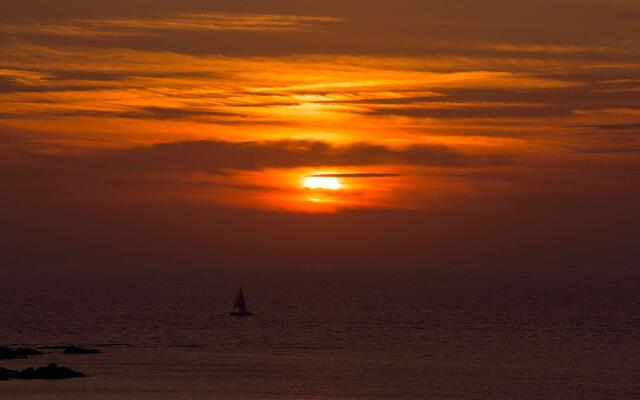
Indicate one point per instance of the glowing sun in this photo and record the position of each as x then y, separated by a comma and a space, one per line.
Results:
322, 182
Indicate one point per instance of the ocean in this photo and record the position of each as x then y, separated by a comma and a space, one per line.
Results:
326, 334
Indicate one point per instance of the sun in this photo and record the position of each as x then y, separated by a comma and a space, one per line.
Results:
322, 182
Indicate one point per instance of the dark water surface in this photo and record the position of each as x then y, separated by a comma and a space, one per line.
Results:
329, 335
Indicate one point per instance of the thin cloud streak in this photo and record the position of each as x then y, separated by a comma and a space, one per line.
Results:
357, 175
116, 27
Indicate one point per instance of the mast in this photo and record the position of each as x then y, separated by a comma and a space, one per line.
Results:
240, 302
240, 308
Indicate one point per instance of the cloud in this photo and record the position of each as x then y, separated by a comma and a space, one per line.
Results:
93, 90
357, 175
263, 175
612, 127
473, 111
216, 157
612, 149
204, 21
198, 167
150, 112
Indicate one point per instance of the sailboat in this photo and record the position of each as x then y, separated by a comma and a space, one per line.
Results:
240, 308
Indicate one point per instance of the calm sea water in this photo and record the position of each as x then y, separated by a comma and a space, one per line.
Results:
329, 335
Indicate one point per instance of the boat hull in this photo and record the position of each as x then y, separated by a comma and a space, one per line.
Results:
240, 314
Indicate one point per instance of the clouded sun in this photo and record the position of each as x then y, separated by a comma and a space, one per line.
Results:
325, 183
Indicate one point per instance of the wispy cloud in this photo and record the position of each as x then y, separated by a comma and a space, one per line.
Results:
141, 96
358, 175
206, 21
613, 127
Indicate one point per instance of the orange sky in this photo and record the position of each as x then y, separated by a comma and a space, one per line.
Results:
470, 113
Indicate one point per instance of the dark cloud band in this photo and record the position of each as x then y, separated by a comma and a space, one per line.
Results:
356, 175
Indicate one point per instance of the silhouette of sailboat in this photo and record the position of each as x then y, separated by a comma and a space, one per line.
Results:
240, 308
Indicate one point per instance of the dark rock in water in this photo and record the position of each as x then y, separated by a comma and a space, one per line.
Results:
80, 350
6, 374
51, 371
6, 353
21, 352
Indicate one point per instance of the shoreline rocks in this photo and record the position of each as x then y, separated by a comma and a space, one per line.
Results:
7, 353
51, 371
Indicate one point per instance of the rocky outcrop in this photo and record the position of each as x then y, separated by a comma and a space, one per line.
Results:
21, 352
51, 371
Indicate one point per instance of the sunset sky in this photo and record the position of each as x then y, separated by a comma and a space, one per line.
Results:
405, 133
